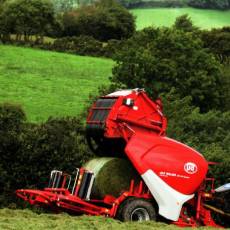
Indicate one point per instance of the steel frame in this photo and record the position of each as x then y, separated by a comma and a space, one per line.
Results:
64, 199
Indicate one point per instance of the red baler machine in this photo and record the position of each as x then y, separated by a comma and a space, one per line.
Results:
173, 182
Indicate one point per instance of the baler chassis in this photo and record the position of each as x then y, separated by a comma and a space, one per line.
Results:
74, 197
60, 196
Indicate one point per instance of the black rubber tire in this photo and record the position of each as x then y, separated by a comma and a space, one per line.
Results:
138, 210
121, 206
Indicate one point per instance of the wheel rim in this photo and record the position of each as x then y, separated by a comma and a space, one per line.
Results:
140, 214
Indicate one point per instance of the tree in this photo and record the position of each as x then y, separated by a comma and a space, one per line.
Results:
160, 59
211, 4
218, 42
28, 17
103, 20
184, 23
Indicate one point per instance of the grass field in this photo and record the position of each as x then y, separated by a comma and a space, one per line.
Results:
26, 219
48, 83
205, 19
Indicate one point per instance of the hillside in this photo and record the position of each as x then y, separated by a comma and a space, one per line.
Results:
205, 19
48, 83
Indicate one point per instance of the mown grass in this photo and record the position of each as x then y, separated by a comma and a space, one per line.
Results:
49, 83
26, 219
202, 18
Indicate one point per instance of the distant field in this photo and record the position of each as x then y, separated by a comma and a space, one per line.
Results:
49, 83
205, 19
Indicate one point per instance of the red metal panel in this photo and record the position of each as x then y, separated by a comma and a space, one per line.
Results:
143, 114
180, 166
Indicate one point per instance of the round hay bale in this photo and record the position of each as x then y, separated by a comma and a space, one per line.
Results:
112, 176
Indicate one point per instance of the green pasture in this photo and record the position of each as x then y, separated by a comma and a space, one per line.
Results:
202, 18
49, 83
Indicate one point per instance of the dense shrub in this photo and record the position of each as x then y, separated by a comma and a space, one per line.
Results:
29, 152
189, 125
210, 4
218, 42
82, 45
112, 47
11, 125
153, 3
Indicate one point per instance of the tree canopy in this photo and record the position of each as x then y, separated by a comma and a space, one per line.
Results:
162, 59
211, 4
184, 23
103, 20
27, 17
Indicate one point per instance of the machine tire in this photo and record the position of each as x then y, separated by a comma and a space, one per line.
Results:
138, 210
121, 206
